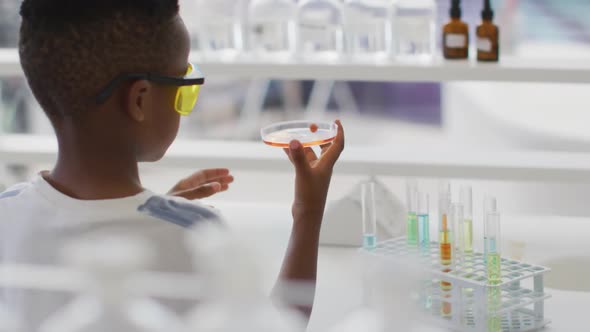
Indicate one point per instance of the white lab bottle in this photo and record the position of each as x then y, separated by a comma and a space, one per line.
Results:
320, 30
233, 298
221, 28
368, 29
414, 29
109, 303
271, 28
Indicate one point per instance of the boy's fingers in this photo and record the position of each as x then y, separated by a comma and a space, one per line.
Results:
332, 154
298, 157
213, 173
203, 191
224, 180
208, 175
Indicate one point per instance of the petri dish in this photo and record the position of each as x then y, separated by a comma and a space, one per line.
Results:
282, 133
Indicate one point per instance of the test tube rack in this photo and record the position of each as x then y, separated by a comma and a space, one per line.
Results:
523, 296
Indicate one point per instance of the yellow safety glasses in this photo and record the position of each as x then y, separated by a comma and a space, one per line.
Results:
187, 94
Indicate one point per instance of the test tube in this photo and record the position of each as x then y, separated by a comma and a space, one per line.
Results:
489, 206
457, 219
424, 240
494, 270
369, 215
492, 243
412, 219
444, 226
424, 222
445, 242
466, 198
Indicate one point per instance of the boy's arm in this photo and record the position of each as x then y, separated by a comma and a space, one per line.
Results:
312, 181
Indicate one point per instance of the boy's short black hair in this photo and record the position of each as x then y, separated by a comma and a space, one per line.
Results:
70, 49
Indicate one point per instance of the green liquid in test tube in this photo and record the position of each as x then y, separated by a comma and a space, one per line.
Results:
412, 230
494, 268
492, 236
412, 218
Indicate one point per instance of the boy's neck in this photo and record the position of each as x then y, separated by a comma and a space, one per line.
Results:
94, 172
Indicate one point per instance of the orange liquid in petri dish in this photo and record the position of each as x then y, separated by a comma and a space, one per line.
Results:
313, 128
305, 144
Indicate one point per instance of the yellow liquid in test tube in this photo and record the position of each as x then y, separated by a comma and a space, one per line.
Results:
468, 236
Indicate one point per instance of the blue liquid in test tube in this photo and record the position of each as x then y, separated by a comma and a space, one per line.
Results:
369, 215
423, 222
369, 241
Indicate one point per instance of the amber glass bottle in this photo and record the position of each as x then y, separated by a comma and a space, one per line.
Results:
456, 35
488, 36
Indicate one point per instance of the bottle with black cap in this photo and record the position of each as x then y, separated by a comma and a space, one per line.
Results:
488, 36
456, 35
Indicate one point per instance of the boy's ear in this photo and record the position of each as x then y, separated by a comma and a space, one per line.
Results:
138, 99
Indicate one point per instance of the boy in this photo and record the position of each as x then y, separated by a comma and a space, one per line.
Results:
113, 77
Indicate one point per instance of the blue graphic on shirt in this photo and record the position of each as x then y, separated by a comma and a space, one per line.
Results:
8, 194
179, 213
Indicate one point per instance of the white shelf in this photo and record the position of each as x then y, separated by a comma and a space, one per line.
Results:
508, 70
389, 161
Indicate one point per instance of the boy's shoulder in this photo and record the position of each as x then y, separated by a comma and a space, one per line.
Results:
14, 190
38, 197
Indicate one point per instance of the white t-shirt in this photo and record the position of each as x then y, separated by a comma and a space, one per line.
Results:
36, 220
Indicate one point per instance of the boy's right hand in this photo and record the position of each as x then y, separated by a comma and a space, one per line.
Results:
312, 178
